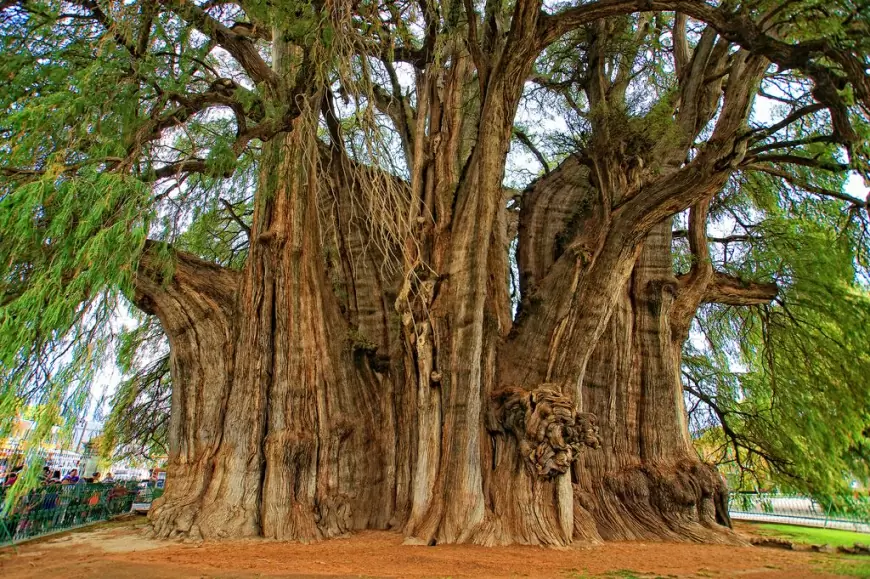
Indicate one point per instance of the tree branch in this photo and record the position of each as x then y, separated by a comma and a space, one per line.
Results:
734, 291
238, 46
109, 26
791, 143
523, 138
738, 27
809, 188
481, 61
681, 45
799, 160
263, 132
763, 133
229, 207
682, 233
693, 285
190, 276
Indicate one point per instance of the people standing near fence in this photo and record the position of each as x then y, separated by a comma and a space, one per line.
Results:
71, 478
13, 476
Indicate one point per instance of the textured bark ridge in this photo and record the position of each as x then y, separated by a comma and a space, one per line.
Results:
196, 312
282, 427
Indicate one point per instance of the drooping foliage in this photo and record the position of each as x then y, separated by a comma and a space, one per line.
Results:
780, 390
140, 407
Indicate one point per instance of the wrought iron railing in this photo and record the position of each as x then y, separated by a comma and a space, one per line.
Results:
61, 507
843, 513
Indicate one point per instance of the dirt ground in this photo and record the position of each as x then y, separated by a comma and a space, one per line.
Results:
118, 550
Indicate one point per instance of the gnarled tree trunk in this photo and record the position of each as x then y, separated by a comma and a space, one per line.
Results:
324, 414
346, 380
283, 425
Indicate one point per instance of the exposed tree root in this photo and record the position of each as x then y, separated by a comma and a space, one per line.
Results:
680, 501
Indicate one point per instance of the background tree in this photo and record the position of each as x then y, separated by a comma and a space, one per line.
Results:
310, 197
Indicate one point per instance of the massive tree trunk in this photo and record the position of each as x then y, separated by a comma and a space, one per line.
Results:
284, 425
363, 371
644, 481
305, 408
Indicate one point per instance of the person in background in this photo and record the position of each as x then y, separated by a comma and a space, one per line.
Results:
109, 479
13, 476
71, 478
95, 478
55, 478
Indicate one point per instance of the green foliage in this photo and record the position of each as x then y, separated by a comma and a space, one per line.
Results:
72, 228
789, 381
139, 418
68, 253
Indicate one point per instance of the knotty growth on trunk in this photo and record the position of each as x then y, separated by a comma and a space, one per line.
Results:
364, 369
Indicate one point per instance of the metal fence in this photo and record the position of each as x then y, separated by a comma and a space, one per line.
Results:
60, 507
848, 514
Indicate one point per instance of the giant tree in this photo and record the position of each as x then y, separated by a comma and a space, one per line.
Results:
310, 198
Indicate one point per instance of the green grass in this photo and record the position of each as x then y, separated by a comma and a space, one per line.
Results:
811, 535
849, 566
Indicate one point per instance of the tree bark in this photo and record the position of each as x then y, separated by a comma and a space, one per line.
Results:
298, 436
197, 314
645, 481
343, 399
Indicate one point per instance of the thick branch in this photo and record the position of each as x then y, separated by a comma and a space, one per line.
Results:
681, 45
193, 280
706, 174
742, 30
240, 47
693, 286
734, 291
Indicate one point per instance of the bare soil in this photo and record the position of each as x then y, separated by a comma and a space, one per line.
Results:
119, 550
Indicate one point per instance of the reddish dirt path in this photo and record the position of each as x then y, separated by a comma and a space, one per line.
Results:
120, 551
